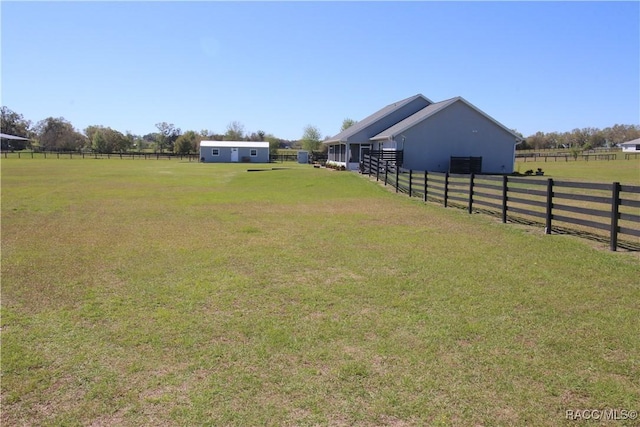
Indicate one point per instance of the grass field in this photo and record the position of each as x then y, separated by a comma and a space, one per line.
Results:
173, 293
620, 170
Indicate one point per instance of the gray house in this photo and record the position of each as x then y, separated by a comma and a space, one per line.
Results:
430, 135
234, 152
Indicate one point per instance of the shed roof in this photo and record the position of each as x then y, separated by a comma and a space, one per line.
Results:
430, 111
7, 136
369, 120
232, 144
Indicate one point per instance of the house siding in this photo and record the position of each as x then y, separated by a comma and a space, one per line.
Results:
225, 155
458, 131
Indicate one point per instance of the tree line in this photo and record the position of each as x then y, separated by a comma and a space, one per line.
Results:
582, 139
58, 134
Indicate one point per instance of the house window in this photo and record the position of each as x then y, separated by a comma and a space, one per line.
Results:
254, 152
215, 151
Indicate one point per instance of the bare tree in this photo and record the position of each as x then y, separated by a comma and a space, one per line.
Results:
235, 131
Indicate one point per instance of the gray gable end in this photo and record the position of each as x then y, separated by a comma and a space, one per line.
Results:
431, 110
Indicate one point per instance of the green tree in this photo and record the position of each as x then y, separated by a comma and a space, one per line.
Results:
347, 123
187, 143
99, 142
14, 124
257, 136
274, 143
132, 140
235, 132
167, 135
120, 142
575, 151
109, 140
311, 138
58, 134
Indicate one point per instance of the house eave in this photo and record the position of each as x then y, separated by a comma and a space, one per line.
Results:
335, 141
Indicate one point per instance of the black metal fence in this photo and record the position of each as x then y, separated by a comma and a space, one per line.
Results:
601, 211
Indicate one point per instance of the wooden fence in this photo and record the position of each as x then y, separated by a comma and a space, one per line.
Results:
566, 157
596, 210
314, 156
87, 155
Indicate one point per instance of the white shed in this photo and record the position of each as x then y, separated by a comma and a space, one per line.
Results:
234, 152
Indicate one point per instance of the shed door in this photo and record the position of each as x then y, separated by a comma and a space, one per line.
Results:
234, 154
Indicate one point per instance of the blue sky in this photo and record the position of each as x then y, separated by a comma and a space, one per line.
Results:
279, 66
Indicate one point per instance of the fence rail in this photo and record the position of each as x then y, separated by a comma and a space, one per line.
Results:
134, 155
597, 210
566, 157
90, 155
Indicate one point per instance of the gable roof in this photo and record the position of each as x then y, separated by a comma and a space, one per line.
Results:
412, 120
373, 118
430, 111
234, 144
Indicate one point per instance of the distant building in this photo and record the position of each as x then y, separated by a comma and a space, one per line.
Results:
11, 142
234, 152
632, 146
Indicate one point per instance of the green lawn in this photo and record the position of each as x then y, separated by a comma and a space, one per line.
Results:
162, 292
608, 171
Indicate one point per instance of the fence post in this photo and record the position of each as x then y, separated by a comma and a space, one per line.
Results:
397, 177
505, 187
370, 164
377, 170
471, 177
425, 186
32, 154
615, 214
410, 178
386, 170
549, 214
446, 188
